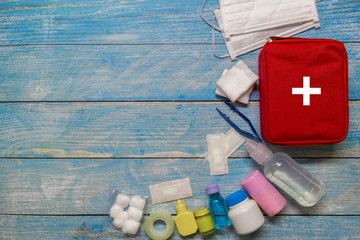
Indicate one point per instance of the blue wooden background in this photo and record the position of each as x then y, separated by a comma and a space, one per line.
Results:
97, 94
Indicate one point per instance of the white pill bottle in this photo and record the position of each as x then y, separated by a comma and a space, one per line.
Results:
244, 213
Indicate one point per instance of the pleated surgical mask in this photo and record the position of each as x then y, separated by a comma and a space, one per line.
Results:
246, 24
263, 14
244, 43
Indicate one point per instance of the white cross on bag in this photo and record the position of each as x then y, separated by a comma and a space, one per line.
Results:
306, 91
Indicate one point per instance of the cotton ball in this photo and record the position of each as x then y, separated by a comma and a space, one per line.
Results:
138, 202
123, 200
134, 214
130, 227
115, 210
119, 221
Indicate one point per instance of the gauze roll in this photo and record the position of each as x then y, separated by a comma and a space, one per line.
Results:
130, 227
237, 81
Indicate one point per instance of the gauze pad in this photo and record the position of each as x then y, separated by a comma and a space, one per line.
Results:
237, 81
244, 98
217, 155
233, 140
170, 191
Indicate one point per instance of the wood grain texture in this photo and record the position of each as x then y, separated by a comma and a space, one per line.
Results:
156, 129
93, 227
149, 21
83, 186
123, 72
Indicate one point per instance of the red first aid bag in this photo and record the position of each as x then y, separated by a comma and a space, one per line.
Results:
303, 91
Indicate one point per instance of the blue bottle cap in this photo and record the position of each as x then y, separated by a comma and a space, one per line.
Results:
236, 198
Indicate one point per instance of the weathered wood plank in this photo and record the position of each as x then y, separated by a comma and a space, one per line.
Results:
103, 73
93, 227
156, 21
135, 129
83, 186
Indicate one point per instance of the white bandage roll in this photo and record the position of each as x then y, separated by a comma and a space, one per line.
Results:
130, 227
134, 214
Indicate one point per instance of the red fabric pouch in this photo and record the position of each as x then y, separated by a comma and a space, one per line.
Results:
303, 91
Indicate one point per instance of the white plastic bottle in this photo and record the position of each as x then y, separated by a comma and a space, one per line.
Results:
287, 174
244, 213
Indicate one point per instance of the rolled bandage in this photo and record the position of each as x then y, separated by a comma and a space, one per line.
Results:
115, 210
123, 200
134, 214
138, 202
119, 221
130, 227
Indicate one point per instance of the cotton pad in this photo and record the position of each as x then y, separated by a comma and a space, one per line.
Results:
134, 214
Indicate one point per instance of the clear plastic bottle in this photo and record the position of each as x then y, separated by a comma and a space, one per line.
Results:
287, 174
218, 208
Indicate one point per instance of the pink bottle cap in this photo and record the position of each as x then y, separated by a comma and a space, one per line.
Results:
265, 194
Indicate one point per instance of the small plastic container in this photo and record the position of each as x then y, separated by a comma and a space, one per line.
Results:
265, 194
244, 213
204, 220
287, 174
218, 207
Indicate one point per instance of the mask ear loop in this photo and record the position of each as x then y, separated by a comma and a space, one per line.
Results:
206, 21
213, 43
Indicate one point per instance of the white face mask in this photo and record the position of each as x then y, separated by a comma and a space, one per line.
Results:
264, 14
256, 24
244, 43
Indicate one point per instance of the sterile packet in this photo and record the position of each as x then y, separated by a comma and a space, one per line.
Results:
126, 212
170, 191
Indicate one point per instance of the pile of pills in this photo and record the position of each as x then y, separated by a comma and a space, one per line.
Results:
127, 212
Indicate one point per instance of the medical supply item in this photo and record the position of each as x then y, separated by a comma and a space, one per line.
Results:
244, 213
137, 201
127, 211
233, 140
256, 136
237, 81
120, 219
305, 101
123, 200
135, 213
170, 191
217, 154
159, 217
130, 227
115, 210
245, 25
185, 220
204, 220
244, 98
265, 194
218, 207
287, 174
